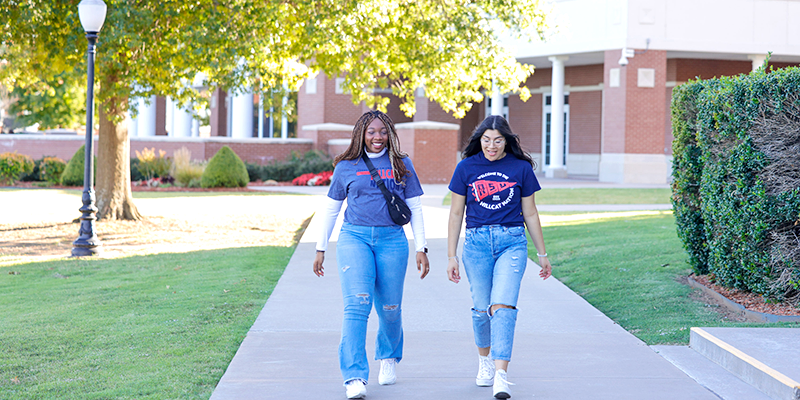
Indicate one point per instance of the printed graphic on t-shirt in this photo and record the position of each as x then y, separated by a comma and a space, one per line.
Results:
488, 193
387, 175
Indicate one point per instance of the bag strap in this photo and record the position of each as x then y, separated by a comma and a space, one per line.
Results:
378, 181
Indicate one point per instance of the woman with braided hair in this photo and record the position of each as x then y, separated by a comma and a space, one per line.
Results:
372, 250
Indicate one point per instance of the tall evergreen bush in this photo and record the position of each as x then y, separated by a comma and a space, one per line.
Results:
736, 187
225, 169
73, 172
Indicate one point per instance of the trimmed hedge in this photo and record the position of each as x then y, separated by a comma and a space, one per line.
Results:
225, 169
51, 169
13, 166
312, 162
736, 179
73, 172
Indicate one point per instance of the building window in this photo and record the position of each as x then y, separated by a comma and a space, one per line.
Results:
279, 120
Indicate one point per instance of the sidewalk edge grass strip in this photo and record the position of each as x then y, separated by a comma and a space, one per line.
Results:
146, 327
630, 268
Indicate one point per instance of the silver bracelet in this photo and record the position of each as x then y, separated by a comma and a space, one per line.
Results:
450, 258
541, 255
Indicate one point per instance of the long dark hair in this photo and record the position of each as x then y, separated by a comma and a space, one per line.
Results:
499, 124
356, 147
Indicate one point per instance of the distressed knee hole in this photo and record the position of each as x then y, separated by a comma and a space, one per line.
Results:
364, 298
390, 307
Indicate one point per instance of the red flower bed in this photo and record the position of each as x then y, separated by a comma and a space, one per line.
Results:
311, 179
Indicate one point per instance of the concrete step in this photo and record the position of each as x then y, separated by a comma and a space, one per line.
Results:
766, 358
710, 375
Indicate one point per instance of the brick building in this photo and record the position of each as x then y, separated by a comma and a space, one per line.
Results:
610, 69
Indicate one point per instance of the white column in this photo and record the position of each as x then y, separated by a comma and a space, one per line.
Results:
242, 115
147, 118
261, 116
195, 128
556, 168
182, 121
284, 120
497, 100
758, 60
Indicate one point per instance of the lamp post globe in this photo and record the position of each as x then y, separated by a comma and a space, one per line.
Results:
92, 14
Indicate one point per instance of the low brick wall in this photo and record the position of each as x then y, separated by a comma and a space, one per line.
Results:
433, 146
257, 151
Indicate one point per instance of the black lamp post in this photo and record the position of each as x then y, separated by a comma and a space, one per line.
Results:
92, 14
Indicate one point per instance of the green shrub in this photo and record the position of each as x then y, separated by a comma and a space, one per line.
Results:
310, 162
32, 176
686, 172
225, 169
13, 165
51, 169
73, 172
136, 175
736, 185
152, 165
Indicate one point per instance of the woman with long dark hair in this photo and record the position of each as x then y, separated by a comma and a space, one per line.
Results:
495, 183
372, 250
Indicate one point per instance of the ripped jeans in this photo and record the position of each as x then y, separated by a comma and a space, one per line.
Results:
495, 258
372, 262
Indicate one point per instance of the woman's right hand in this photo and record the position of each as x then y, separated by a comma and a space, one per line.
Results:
319, 270
452, 270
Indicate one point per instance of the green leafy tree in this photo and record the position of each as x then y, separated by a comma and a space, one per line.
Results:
451, 48
52, 103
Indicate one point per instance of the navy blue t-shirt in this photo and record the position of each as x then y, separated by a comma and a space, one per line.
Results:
494, 189
365, 202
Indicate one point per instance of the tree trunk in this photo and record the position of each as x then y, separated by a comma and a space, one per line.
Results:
114, 198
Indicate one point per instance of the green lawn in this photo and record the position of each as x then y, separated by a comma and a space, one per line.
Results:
628, 268
598, 196
150, 327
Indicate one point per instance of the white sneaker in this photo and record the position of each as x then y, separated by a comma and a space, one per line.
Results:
355, 389
485, 371
501, 385
387, 375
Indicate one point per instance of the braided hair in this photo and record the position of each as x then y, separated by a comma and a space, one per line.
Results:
356, 147
499, 124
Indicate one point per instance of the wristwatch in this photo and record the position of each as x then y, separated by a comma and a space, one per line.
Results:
424, 250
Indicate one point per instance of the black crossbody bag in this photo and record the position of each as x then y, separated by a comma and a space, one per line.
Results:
398, 209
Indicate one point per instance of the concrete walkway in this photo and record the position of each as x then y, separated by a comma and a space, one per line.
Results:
564, 348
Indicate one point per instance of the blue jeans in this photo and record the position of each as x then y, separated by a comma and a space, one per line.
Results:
494, 259
372, 262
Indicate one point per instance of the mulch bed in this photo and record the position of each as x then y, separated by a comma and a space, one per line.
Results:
750, 301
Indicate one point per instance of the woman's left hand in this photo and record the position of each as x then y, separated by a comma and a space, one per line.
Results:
422, 264
547, 269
